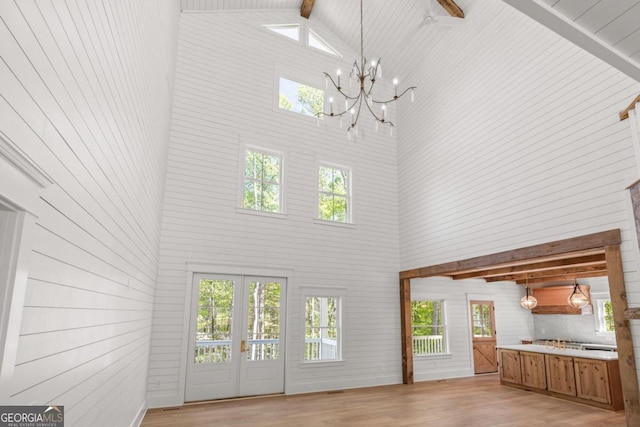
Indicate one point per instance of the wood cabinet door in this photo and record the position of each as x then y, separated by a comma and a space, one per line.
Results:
560, 374
533, 370
592, 380
510, 370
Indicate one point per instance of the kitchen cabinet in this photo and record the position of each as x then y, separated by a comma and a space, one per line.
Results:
587, 377
560, 374
510, 370
553, 300
593, 380
533, 370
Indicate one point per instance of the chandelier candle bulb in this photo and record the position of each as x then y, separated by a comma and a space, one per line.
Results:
384, 108
338, 72
395, 88
331, 106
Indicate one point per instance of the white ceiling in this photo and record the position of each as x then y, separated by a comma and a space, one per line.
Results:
609, 29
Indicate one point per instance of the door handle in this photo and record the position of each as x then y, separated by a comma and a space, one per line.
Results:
243, 346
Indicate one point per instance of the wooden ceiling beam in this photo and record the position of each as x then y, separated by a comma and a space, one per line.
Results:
555, 257
552, 275
306, 8
548, 251
579, 261
562, 277
560, 271
452, 8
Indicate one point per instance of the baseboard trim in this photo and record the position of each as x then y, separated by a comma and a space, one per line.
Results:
137, 421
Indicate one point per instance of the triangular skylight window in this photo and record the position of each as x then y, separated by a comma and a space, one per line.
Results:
316, 42
291, 31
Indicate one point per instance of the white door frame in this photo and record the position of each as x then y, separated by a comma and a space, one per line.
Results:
197, 268
21, 182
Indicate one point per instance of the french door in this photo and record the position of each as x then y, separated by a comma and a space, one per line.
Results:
236, 344
483, 333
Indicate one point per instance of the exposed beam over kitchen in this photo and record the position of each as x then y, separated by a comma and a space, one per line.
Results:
563, 259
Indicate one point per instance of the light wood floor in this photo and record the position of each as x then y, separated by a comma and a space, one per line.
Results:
478, 402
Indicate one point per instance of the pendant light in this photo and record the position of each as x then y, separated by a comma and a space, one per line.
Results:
528, 301
577, 298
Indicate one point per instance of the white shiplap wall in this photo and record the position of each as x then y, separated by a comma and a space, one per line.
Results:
85, 91
224, 98
513, 323
514, 141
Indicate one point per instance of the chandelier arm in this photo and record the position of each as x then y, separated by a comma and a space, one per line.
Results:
344, 112
384, 122
395, 97
359, 102
339, 89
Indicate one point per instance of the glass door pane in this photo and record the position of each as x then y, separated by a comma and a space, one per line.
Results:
482, 326
214, 324
263, 326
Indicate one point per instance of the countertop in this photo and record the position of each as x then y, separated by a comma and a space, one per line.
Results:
586, 354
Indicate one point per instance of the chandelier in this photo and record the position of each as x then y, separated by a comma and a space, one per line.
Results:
366, 75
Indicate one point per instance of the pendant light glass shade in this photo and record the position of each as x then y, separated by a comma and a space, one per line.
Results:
577, 298
528, 301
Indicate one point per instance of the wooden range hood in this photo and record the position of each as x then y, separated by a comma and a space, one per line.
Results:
553, 300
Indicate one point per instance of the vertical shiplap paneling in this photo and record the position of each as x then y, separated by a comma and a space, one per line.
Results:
516, 142
85, 92
224, 98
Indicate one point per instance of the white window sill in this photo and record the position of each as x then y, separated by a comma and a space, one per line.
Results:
317, 363
432, 356
611, 335
334, 223
246, 211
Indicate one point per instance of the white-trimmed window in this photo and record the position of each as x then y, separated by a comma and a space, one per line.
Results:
316, 42
334, 193
322, 332
262, 181
429, 329
300, 98
604, 316
291, 31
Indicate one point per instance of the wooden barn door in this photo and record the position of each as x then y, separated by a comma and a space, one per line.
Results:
483, 332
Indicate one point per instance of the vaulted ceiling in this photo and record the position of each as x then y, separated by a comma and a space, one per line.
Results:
609, 29
394, 30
